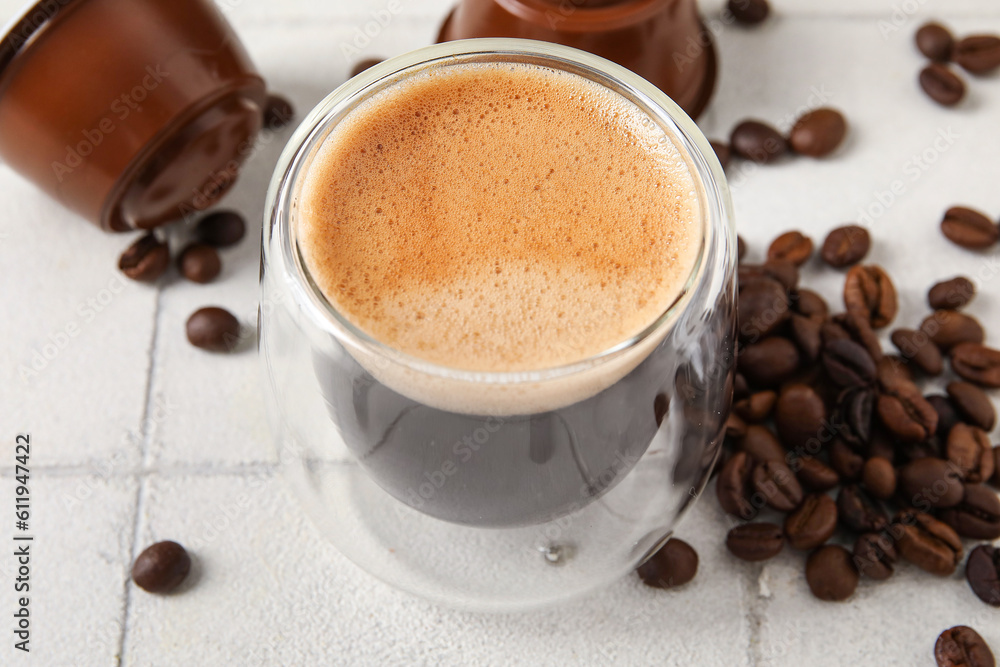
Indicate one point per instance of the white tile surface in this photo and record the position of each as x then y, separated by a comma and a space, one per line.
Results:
128, 403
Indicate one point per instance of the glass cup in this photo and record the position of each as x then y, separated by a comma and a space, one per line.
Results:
489, 506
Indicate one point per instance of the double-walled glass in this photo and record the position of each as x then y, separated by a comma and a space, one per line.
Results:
489, 505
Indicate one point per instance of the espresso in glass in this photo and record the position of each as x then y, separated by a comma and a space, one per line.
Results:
500, 218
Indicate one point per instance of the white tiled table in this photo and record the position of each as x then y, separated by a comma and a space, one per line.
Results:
139, 437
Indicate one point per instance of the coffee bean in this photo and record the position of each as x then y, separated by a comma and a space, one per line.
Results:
761, 445
978, 54
807, 334
905, 412
762, 308
869, 292
832, 330
794, 247
277, 112
749, 12
848, 364
982, 571
199, 263
879, 478
951, 294
931, 448
961, 646
935, 42
977, 516
831, 574
881, 446
947, 328
942, 85
847, 462
769, 362
846, 246
875, 555
814, 474
996, 467
927, 543
892, 372
736, 428
861, 331
812, 523
145, 260
213, 329
675, 564
774, 481
162, 567
741, 245
973, 404
725, 156
818, 133
969, 451
733, 486
930, 482
859, 512
855, 407
221, 229
809, 304
362, 65
785, 273
755, 541
740, 387
977, 363
758, 142
917, 347
800, 415
947, 414
756, 407
968, 228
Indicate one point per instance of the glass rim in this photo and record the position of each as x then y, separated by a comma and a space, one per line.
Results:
715, 204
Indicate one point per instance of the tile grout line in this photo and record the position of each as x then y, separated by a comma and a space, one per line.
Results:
140, 493
752, 590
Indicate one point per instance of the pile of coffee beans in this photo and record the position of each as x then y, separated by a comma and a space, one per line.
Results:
148, 258
976, 54
817, 133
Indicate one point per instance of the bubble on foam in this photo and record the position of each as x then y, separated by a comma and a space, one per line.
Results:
499, 219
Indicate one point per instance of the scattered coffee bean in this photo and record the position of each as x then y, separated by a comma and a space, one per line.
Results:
848, 364
758, 142
733, 486
762, 307
948, 328
761, 445
917, 347
220, 229
845, 461
808, 336
818, 133
875, 555
881, 446
756, 407
755, 541
725, 156
162, 567
977, 363
810, 304
362, 65
951, 294
749, 12
930, 481
942, 85
794, 247
199, 263
769, 362
846, 246
800, 415
969, 451
947, 414
961, 646
774, 481
831, 574
982, 571
973, 404
979, 54
855, 407
935, 41
927, 543
145, 260
869, 292
893, 372
860, 329
812, 523
277, 112
879, 478
977, 516
675, 564
969, 228
213, 329
858, 512
736, 428
815, 475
